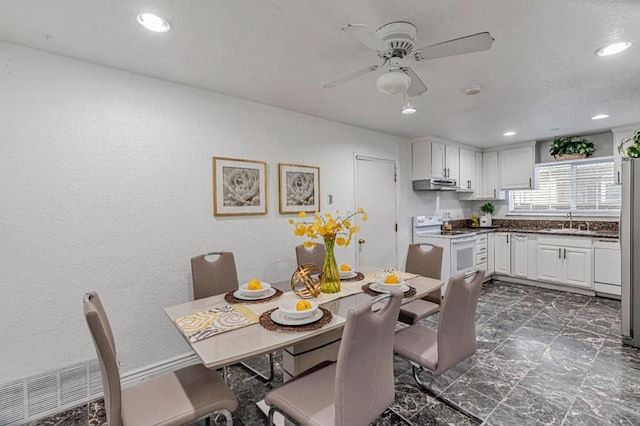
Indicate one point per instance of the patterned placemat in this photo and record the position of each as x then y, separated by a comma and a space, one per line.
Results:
359, 277
366, 289
266, 321
204, 324
231, 299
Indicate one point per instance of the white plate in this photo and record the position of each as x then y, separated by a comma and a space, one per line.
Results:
348, 275
279, 318
374, 287
238, 294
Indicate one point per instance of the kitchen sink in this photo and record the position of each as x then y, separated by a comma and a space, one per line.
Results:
570, 231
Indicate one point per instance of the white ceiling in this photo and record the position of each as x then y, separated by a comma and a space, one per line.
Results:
540, 78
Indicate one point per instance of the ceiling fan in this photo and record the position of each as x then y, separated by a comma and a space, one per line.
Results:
395, 43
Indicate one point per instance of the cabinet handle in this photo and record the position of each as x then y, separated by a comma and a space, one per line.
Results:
565, 253
559, 253
530, 186
507, 238
494, 193
618, 177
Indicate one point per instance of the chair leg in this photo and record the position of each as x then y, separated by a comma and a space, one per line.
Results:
216, 414
423, 386
259, 375
273, 410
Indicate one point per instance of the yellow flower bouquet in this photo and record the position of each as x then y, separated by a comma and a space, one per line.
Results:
338, 230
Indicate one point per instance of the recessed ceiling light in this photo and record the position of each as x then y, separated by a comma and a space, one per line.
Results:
154, 23
613, 49
510, 133
600, 116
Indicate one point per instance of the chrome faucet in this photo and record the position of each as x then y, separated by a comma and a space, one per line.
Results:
570, 216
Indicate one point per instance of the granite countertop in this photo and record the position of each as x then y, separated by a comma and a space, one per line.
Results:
567, 233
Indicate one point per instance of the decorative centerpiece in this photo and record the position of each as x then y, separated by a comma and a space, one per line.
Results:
630, 147
338, 230
571, 148
305, 282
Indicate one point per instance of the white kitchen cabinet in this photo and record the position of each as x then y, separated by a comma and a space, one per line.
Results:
477, 183
502, 253
467, 170
438, 165
519, 255
620, 134
491, 247
444, 160
517, 167
421, 160
549, 263
490, 176
565, 261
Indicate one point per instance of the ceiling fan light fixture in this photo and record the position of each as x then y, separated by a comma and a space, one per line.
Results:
600, 116
509, 133
613, 49
154, 23
407, 108
393, 82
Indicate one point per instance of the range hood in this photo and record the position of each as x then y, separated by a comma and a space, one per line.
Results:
435, 185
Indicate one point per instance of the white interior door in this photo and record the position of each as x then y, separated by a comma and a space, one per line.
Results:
376, 194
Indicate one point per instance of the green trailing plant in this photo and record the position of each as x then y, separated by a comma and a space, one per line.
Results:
630, 147
572, 145
488, 208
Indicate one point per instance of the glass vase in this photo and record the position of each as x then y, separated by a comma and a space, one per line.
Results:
330, 273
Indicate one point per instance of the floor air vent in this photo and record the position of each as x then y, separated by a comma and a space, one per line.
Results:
48, 393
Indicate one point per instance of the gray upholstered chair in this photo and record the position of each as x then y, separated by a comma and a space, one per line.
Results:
174, 398
219, 276
313, 255
424, 260
436, 351
356, 389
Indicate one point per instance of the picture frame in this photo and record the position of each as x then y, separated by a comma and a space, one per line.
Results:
239, 187
299, 188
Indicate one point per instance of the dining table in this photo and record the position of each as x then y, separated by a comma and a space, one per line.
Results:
301, 349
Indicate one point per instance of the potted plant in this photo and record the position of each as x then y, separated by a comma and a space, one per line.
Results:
488, 209
630, 147
571, 148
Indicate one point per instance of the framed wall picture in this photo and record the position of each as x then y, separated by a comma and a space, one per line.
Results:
239, 187
299, 188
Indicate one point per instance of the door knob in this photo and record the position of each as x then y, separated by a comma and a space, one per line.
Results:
361, 241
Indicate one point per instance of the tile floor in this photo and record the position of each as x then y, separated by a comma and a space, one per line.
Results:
544, 357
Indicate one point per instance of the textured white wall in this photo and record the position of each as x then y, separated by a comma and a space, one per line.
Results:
105, 184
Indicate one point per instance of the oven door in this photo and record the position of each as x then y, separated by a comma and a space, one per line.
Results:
463, 254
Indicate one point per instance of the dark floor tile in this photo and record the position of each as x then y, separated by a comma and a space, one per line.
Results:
389, 418
525, 352
473, 402
614, 352
536, 406
580, 350
528, 333
409, 397
506, 416
562, 366
494, 380
589, 406
76, 416
557, 392
439, 413
621, 386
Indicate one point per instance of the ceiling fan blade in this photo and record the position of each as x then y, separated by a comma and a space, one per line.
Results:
473, 43
344, 79
366, 36
417, 87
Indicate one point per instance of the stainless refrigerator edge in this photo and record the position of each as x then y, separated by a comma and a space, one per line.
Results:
630, 251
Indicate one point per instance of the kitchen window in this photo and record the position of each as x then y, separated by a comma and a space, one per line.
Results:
583, 186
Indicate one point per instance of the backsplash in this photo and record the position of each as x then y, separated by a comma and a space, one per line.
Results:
594, 225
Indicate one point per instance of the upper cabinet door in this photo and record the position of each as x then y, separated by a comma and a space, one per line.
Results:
477, 184
467, 169
421, 160
452, 159
517, 167
490, 190
437, 160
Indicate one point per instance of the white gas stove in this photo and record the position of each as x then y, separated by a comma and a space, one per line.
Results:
459, 247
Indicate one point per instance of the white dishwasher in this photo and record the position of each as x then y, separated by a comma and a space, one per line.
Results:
607, 267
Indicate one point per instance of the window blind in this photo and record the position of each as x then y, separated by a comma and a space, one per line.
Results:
585, 186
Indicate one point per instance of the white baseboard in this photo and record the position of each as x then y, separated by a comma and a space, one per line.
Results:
158, 368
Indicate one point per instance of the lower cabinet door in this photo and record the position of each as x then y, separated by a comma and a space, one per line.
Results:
577, 267
549, 265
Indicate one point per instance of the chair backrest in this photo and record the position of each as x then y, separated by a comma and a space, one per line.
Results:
364, 372
457, 323
313, 255
211, 278
106, 348
427, 263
